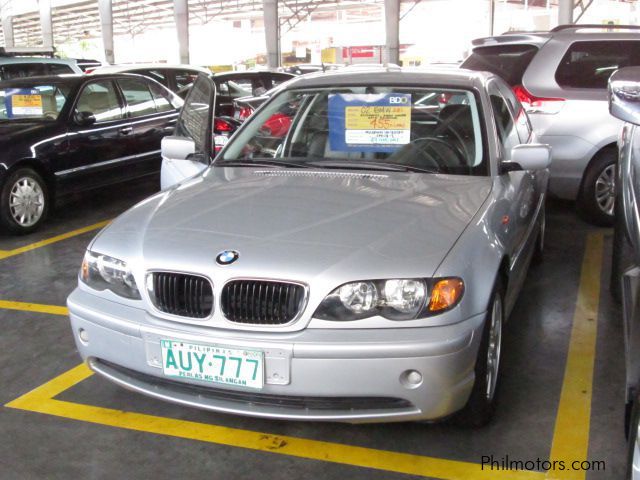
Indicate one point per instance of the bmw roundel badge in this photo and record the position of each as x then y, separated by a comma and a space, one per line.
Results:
227, 257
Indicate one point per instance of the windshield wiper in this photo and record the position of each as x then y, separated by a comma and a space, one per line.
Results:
360, 165
261, 163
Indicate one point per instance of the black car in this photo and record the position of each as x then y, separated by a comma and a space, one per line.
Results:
61, 135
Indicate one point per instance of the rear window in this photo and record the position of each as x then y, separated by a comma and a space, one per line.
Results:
590, 64
507, 61
22, 70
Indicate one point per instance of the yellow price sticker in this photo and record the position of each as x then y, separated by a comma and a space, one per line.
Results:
26, 101
378, 118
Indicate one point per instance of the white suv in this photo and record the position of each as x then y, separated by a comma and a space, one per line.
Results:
561, 78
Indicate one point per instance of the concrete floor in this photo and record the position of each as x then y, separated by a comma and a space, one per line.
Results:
36, 347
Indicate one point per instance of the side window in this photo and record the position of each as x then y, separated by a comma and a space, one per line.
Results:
138, 97
590, 64
193, 121
101, 100
522, 120
160, 98
505, 125
59, 69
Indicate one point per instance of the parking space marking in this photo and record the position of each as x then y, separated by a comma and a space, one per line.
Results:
571, 433
34, 307
41, 400
43, 243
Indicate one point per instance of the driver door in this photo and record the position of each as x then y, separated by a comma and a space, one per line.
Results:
190, 150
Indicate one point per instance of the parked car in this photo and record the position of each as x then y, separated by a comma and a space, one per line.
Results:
229, 86
60, 135
24, 67
88, 65
624, 103
174, 77
358, 269
304, 68
561, 79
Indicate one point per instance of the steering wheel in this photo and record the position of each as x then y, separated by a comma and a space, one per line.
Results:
429, 141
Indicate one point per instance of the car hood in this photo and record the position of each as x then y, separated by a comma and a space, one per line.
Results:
18, 131
299, 225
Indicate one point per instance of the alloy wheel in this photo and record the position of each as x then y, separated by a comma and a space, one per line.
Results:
606, 189
26, 202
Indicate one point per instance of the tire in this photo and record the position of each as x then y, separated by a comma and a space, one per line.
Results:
633, 444
26, 185
597, 194
481, 405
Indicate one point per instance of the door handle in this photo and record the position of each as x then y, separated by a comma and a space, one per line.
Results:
126, 130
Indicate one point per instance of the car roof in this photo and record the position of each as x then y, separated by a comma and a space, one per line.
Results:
147, 66
380, 76
563, 33
250, 73
70, 78
13, 60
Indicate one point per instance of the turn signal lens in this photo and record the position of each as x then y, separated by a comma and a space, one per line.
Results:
445, 294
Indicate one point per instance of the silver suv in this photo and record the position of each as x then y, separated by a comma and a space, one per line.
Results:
561, 78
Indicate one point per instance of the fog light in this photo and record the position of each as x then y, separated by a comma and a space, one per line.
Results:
411, 379
84, 335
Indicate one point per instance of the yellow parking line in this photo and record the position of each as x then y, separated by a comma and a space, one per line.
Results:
34, 307
49, 241
40, 400
571, 434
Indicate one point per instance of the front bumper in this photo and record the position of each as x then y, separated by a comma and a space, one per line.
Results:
351, 375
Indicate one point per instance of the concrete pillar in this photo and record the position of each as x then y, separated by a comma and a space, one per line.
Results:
7, 29
392, 28
272, 32
565, 11
492, 16
181, 14
45, 23
106, 27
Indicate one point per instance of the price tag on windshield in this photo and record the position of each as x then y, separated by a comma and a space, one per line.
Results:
369, 122
24, 103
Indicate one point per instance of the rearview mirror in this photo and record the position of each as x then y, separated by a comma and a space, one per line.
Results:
624, 94
84, 119
529, 157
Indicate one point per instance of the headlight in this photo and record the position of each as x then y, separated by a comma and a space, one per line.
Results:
107, 273
395, 299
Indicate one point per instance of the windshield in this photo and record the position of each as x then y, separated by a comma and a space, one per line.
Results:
32, 102
432, 130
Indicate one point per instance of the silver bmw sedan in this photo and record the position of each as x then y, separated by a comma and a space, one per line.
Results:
351, 254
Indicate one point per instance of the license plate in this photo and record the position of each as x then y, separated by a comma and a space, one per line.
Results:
213, 363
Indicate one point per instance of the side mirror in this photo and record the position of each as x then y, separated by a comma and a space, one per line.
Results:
624, 94
84, 119
181, 148
528, 157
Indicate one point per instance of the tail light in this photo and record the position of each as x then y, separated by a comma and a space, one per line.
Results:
221, 126
533, 104
244, 113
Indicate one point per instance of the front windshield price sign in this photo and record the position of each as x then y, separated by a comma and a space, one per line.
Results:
24, 103
369, 122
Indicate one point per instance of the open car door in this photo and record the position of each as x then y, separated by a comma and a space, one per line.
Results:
189, 150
